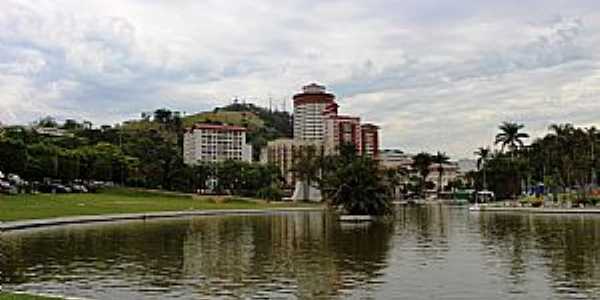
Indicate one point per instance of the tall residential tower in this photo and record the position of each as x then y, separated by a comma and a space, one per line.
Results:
310, 110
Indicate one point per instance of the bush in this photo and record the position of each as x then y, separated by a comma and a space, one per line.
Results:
537, 202
270, 193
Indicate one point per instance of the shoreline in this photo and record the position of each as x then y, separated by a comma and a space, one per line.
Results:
538, 210
89, 219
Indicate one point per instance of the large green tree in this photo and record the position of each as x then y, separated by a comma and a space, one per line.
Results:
355, 183
422, 162
307, 166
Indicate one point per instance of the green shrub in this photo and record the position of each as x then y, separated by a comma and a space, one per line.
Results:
270, 193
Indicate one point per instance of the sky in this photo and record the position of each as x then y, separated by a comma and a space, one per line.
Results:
435, 75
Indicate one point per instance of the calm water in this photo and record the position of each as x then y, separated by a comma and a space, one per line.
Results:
431, 252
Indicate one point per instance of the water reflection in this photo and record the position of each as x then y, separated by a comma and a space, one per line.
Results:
302, 255
430, 252
566, 248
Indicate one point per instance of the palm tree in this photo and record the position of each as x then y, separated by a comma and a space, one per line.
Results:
440, 159
483, 154
510, 136
307, 164
422, 162
592, 133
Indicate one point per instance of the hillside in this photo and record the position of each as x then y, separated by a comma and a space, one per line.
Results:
263, 125
246, 119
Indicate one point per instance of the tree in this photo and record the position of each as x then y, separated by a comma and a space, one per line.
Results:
483, 154
355, 183
422, 162
47, 121
307, 164
71, 124
510, 136
592, 133
440, 159
163, 116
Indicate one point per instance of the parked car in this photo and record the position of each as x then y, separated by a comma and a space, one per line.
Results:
78, 188
54, 188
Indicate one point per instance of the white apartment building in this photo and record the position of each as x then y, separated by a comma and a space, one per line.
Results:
213, 143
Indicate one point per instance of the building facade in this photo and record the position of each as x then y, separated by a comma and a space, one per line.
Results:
311, 108
393, 158
369, 140
449, 173
342, 130
282, 153
213, 143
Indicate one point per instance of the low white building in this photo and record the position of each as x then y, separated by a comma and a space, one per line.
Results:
214, 143
393, 158
449, 173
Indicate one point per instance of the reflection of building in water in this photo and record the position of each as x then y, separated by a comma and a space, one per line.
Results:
245, 253
306, 253
203, 252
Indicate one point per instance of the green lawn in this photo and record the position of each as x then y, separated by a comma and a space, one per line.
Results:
8, 296
114, 201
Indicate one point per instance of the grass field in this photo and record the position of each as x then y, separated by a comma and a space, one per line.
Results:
8, 296
115, 201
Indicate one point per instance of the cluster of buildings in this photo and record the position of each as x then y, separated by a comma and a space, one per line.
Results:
318, 124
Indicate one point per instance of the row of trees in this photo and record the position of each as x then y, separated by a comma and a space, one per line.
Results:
564, 160
144, 156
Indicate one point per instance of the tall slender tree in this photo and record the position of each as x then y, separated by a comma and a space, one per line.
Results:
307, 164
440, 159
483, 154
421, 163
592, 133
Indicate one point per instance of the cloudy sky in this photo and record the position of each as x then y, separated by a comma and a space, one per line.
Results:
435, 74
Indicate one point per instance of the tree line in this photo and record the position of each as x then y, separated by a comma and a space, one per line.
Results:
563, 160
140, 156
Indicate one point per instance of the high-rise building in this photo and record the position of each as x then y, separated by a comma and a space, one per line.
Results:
369, 139
317, 123
212, 143
311, 108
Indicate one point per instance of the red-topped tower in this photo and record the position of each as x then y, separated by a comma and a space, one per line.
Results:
311, 108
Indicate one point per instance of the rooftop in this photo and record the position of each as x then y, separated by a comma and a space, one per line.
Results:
223, 127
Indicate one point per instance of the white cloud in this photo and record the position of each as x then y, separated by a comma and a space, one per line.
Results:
436, 75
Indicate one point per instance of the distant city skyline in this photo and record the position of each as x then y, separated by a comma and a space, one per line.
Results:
435, 75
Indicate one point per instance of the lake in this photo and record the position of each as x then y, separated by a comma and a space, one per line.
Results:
429, 252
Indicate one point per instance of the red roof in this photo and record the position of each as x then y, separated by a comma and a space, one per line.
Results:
217, 127
369, 126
